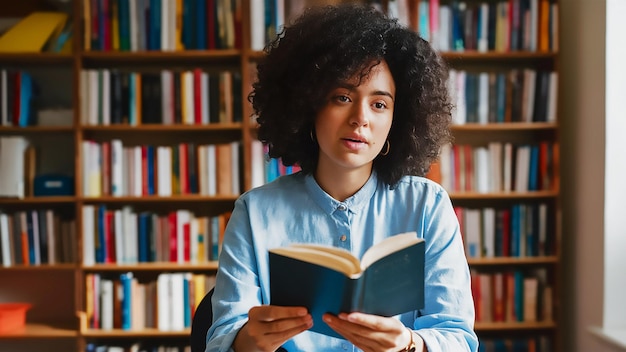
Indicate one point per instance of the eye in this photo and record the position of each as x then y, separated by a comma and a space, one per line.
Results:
342, 98
380, 105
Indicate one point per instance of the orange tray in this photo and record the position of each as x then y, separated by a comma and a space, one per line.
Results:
13, 316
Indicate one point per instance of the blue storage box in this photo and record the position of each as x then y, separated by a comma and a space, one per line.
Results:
53, 185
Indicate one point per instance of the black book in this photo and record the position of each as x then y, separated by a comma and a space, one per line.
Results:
387, 281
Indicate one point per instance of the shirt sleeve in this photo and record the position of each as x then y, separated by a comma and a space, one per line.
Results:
447, 321
237, 284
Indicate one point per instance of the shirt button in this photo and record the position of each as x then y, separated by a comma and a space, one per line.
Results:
343, 238
342, 207
344, 346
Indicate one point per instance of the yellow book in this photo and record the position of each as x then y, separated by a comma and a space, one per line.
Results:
33, 32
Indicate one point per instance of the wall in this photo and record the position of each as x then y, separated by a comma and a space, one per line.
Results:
582, 173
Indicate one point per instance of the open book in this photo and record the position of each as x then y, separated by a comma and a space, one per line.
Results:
388, 280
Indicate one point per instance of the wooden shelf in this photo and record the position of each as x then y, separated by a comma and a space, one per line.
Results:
513, 261
42, 267
22, 59
160, 266
499, 56
503, 195
506, 126
36, 129
39, 200
118, 333
32, 331
495, 327
156, 199
148, 128
185, 58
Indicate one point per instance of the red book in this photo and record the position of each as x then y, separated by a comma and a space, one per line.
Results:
16, 97
506, 233
187, 241
210, 24
144, 170
172, 224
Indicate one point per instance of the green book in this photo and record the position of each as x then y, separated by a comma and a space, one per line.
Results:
387, 281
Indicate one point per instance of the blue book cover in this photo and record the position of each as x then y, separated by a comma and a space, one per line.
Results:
26, 98
150, 167
142, 237
100, 236
186, 303
201, 25
515, 235
533, 173
126, 281
154, 25
123, 16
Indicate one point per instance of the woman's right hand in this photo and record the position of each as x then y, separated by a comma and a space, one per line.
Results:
268, 327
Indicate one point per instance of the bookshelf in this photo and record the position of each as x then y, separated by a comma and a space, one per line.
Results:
61, 317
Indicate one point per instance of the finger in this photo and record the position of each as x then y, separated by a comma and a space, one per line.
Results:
272, 313
373, 322
282, 336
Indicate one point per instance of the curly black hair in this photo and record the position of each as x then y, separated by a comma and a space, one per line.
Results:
328, 45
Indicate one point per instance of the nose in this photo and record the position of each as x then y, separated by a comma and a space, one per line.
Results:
359, 115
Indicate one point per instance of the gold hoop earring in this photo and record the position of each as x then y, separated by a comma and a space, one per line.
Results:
388, 145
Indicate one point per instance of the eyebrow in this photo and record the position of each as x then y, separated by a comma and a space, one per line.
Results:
353, 87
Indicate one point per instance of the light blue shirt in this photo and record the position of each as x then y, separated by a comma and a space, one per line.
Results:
295, 209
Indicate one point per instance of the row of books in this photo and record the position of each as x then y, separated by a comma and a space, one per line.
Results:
519, 95
497, 167
17, 94
112, 96
520, 230
36, 237
167, 303
112, 169
168, 25
505, 25
136, 347
265, 169
541, 343
512, 296
125, 236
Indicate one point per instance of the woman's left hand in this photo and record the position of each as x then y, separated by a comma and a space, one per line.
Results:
372, 332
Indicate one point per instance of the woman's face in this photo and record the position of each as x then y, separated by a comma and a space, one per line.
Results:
354, 123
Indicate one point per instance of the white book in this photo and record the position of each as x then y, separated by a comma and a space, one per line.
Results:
482, 175
89, 246
483, 97
522, 167
166, 26
164, 303
129, 243
483, 41
133, 238
461, 109
257, 170
164, 171
212, 169
489, 232
106, 304
182, 218
117, 172
553, 90
94, 92
51, 236
194, 231
167, 103
177, 318
473, 245
534, 24
118, 223
137, 173
34, 218
12, 150
495, 166
105, 96
257, 24
445, 26
234, 153
5, 243
132, 15
445, 167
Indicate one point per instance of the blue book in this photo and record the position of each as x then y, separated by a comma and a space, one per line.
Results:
26, 98
100, 237
533, 172
150, 167
142, 237
186, 304
126, 283
123, 9
154, 25
201, 25
515, 235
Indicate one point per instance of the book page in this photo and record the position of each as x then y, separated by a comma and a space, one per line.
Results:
322, 256
388, 246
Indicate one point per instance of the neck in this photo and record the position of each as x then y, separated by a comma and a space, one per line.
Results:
342, 185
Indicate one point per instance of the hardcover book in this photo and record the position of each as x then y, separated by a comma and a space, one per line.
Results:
387, 281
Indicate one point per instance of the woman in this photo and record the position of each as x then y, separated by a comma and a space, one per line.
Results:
360, 103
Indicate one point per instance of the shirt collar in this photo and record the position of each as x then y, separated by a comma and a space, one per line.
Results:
354, 203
